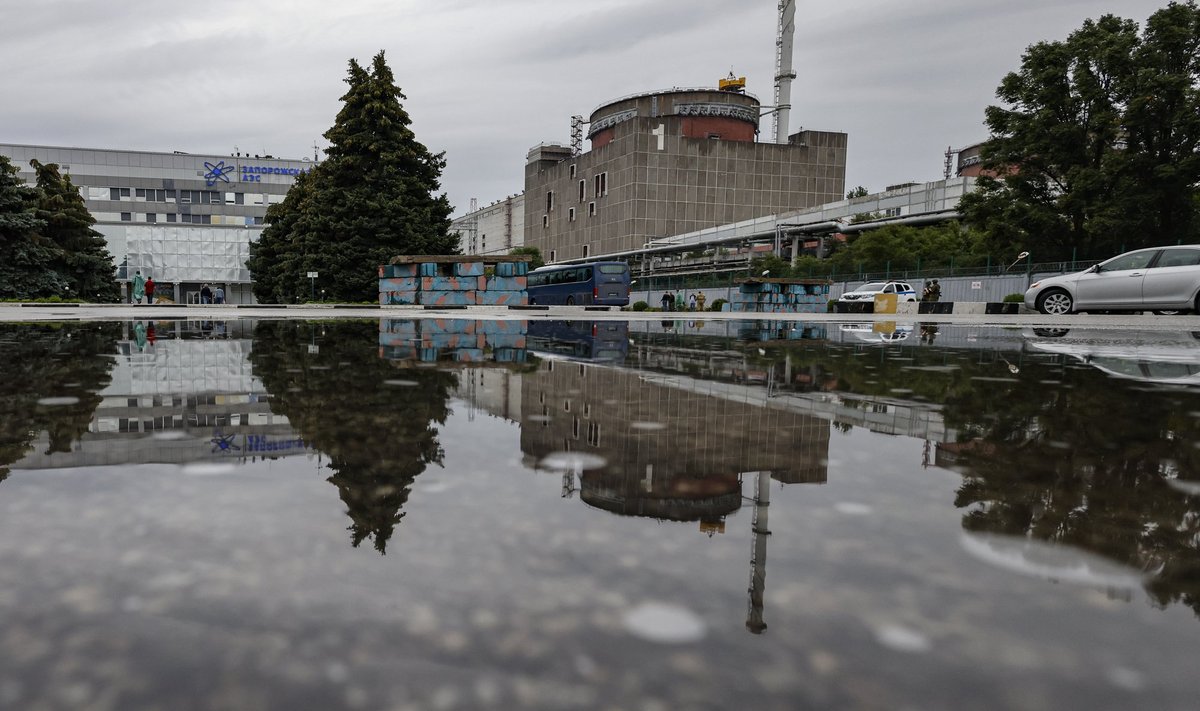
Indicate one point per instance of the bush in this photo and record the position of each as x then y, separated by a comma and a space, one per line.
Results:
640, 306
717, 305
1014, 299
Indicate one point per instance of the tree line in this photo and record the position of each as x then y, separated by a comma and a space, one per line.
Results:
1094, 150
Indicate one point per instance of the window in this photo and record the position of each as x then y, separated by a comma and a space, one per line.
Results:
572, 171
1134, 260
1179, 258
126, 217
545, 221
582, 190
601, 184
550, 201
118, 193
585, 250
171, 217
591, 209
593, 434
140, 192
553, 258
570, 214
151, 217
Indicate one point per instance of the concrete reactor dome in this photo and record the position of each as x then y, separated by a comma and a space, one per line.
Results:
728, 115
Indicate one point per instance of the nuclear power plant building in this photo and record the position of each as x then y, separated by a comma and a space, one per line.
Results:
670, 162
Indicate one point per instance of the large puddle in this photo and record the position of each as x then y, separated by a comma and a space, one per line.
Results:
655, 515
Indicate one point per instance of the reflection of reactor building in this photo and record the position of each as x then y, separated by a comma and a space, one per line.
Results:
670, 452
670, 162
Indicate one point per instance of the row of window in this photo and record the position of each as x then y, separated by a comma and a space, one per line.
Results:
185, 197
171, 217
591, 211
599, 190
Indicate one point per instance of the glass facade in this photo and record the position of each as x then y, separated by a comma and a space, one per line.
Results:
180, 218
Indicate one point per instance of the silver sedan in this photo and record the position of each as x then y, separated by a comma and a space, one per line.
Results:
1163, 279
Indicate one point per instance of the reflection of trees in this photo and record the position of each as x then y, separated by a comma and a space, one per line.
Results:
1088, 464
1056, 452
378, 437
50, 360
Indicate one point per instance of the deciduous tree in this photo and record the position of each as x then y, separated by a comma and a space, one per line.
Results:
1094, 148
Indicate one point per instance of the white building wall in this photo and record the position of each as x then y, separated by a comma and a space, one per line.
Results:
495, 229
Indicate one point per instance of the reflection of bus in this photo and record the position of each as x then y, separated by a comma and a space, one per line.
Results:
586, 340
600, 283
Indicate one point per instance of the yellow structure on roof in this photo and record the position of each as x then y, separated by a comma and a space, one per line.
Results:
732, 83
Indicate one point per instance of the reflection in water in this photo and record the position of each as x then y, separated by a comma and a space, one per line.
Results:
671, 447
1059, 472
331, 384
52, 378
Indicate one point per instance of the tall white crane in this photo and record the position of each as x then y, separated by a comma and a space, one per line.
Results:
784, 74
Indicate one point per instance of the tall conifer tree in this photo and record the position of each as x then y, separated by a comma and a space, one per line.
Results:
82, 257
374, 196
26, 258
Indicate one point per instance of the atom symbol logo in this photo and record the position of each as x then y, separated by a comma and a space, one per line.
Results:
220, 171
223, 442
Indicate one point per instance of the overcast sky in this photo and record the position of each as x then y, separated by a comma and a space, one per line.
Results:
486, 81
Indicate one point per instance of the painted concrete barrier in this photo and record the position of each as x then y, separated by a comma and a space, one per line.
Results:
457, 340
454, 281
780, 296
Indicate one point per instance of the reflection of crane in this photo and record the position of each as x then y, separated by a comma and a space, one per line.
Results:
758, 556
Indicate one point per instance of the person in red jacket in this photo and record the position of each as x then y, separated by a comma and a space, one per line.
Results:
149, 290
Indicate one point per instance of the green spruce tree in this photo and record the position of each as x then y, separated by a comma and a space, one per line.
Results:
372, 198
82, 257
26, 258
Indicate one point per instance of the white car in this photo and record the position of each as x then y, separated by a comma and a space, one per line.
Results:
1164, 279
1165, 356
867, 292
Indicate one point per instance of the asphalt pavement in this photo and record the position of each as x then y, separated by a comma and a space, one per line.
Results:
124, 312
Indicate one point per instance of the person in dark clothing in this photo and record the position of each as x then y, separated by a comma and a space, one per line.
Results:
205, 294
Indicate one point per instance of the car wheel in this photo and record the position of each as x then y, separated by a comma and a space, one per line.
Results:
1056, 302
570, 301
1176, 312
1051, 332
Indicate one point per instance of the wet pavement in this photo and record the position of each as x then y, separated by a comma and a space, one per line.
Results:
656, 514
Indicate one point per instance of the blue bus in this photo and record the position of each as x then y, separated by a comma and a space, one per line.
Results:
579, 340
598, 283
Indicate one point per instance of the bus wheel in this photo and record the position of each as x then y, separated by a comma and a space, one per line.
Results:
570, 301
532, 301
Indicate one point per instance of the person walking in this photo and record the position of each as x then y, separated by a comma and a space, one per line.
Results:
219, 295
692, 301
700, 299
205, 294
666, 301
149, 290
139, 287
678, 301
936, 293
